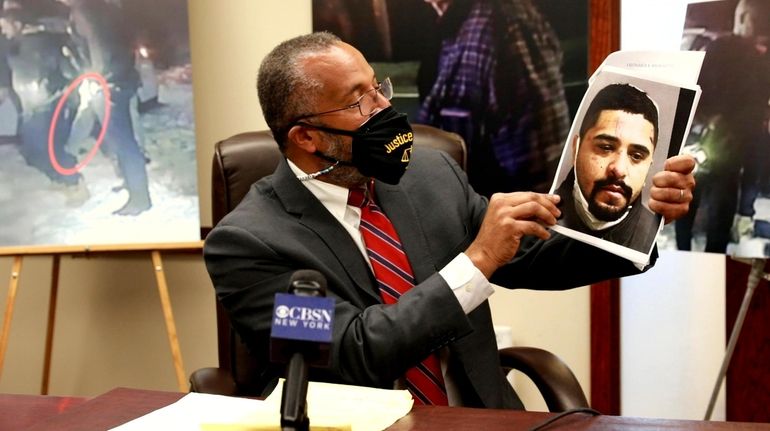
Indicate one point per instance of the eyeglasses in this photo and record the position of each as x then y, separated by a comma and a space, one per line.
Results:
366, 103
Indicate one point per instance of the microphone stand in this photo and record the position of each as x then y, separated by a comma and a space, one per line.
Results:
294, 395
756, 274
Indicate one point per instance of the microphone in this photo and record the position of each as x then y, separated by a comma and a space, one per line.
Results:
301, 334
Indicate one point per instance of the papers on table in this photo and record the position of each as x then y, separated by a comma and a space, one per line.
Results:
330, 406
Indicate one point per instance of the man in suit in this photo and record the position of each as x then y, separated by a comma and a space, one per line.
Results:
612, 154
333, 121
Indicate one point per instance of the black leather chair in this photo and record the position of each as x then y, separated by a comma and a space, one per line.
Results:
241, 160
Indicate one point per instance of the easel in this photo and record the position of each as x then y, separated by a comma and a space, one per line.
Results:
757, 273
18, 254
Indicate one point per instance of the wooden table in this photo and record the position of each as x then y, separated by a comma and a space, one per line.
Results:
21, 411
122, 405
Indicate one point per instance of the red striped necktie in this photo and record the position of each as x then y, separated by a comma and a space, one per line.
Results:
395, 277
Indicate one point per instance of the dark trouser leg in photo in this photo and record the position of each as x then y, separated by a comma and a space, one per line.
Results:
723, 202
119, 140
684, 226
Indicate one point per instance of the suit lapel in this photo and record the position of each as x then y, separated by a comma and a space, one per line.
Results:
311, 213
395, 202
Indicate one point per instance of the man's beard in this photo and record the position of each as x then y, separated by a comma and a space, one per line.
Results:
343, 175
602, 211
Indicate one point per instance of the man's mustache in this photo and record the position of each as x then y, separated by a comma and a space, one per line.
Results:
613, 182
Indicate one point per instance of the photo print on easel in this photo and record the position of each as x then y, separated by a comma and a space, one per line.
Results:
730, 136
97, 141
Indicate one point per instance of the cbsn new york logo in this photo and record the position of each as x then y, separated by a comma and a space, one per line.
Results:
305, 318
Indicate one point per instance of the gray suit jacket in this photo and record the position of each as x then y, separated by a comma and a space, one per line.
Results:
280, 227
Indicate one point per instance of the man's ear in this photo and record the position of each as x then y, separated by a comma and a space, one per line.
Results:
303, 138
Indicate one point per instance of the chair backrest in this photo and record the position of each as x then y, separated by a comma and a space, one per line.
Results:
241, 160
552, 376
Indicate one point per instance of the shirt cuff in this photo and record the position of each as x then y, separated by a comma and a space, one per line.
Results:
467, 283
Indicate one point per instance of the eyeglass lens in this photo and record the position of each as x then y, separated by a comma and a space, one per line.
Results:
368, 102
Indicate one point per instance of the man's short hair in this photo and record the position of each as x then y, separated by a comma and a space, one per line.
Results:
621, 97
285, 91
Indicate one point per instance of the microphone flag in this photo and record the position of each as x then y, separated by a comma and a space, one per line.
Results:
302, 318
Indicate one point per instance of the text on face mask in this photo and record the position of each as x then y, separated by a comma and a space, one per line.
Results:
398, 141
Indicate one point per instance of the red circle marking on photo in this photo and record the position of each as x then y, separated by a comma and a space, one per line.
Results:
52, 129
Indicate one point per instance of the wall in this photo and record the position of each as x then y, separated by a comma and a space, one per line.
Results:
673, 337
228, 43
554, 321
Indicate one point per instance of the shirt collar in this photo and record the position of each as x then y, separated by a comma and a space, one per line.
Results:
333, 197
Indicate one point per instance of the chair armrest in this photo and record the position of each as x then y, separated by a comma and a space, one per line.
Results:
556, 382
213, 380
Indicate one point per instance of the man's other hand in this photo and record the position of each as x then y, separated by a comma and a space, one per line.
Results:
509, 217
672, 188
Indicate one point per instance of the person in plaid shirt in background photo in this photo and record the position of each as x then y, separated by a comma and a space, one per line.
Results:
495, 79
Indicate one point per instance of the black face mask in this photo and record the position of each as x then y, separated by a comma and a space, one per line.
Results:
382, 146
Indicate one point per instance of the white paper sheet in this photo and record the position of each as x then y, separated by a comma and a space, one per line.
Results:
330, 406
